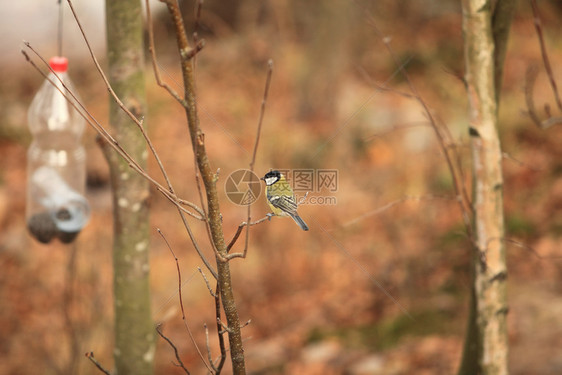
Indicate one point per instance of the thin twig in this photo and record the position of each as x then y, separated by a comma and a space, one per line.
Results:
252, 163
530, 79
137, 121
393, 128
507, 156
169, 192
246, 324
106, 136
194, 206
262, 111
224, 327
152, 50
222, 347
214, 121
156, 67
460, 189
551, 122
92, 121
90, 356
546, 61
183, 316
209, 354
176, 353
239, 231
187, 54
60, 27
451, 146
347, 121
529, 248
394, 203
198, 9
207, 282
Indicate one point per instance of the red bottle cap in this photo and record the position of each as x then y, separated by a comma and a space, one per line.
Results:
59, 64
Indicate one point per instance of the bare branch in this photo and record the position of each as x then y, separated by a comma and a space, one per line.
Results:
239, 231
222, 357
176, 353
209, 355
152, 51
252, 163
507, 156
551, 122
443, 138
169, 192
394, 128
197, 19
90, 356
246, 324
137, 121
394, 203
546, 61
199, 44
347, 121
207, 282
225, 328
183, 316
262, 111
529, 248
110, 141
108, 138
530, 78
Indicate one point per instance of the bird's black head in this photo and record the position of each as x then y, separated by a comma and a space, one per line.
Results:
271, 177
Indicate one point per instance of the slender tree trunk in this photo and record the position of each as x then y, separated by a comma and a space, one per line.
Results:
209, 178
134, 331
485, 37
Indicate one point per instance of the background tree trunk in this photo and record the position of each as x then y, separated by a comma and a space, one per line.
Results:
485, 27
134, 331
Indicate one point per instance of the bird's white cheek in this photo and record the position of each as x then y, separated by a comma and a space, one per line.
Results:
270, 181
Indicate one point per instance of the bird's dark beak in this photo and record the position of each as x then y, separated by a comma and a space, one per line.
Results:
262, 178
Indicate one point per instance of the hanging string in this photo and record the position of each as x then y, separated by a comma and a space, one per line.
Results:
59, 39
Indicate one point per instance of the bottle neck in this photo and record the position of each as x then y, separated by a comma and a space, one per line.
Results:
51, 112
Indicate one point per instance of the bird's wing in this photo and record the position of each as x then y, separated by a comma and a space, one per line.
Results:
284, 203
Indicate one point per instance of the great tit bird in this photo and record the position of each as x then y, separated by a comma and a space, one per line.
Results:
281, 198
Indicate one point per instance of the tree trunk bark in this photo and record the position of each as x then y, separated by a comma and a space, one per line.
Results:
486, 346
134, 331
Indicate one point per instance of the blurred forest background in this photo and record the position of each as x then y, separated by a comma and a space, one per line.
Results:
315, 299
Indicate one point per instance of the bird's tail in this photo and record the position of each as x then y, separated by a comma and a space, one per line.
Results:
299, 221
